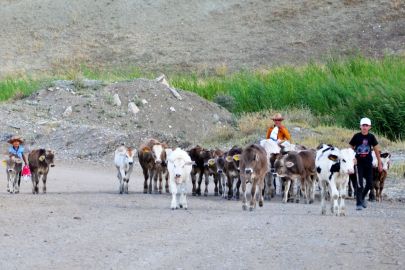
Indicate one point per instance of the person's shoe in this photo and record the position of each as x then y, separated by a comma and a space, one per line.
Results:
364, 203
359, 207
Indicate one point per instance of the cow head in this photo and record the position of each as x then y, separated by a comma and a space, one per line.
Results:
206, 156
385, 160
282, 167
129, 155
47, 158
13, 162
347, 157
157, 151
272, 159
179, 164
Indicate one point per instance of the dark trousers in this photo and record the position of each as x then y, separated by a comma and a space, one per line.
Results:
364, 171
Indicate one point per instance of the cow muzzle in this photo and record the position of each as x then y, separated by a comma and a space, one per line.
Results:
272, 170
177, 176
219, 171
158, 161
130, 163
248, 170
10, 170
206, 164
52, 165
350, 171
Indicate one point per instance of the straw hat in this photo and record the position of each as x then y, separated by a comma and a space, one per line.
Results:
277, 116
15, 138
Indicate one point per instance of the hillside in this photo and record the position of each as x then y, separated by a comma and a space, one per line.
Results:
192, 35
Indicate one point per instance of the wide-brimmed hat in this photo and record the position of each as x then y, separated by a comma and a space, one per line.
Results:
277, 116
15, 138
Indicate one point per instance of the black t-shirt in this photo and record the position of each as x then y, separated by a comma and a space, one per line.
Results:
363, 146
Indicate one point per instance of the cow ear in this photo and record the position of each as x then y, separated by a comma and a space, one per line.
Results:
190, 162
146, 149
333, 157
236, 157
41, 158
289, 164
257, 157
211, 161
4, 162
229, 158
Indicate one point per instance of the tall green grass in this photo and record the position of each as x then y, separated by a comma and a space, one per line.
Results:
340, 90
345, 88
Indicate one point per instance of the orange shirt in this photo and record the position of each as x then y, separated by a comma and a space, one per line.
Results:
282, 133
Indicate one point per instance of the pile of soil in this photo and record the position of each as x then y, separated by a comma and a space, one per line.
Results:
97, 126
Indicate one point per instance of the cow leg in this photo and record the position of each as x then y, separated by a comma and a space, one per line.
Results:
151, 177
237, 192
11, 184
156, 176
216, 184
193, 180
145, 183
334, 207
200, 176
225, 190
207, 181
230, 186
268, 178
244, 200
183, 194
322, 185
261, 186
287, 183
44, 176
36, 189
342, 208
311, 190
120, 178
220, 188
298, 193
167, 182
253, 195
17, 184
304, 190
160, 182
173, 188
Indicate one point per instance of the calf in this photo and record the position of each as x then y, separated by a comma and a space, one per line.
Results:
198, 168
333, 167
124, 162
152, 157
213, 167
179, 166
287, 184
300, 166
232, 171
272, 149
39, 161
253, 167
13, 169
218, 163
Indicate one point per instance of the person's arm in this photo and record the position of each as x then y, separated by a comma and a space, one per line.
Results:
269, 132
285, 132
377, 153
25, 160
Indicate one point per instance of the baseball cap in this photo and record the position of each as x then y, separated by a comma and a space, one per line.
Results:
365, 121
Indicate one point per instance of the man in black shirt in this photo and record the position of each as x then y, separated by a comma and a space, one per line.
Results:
363, 143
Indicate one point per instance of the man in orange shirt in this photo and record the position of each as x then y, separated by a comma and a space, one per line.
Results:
278, 131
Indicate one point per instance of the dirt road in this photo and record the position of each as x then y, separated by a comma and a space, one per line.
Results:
83, 223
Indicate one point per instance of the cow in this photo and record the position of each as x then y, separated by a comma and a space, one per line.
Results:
218, 163
232, 171
198, 168
298, 166
39, 161
13, 170
288, 147
333, 167
211, 168
124, 162
152, 157
287, 184
380, 177
272, 149
179, 166
253, 165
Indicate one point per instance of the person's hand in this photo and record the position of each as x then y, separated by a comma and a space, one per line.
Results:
380, 168
355, 161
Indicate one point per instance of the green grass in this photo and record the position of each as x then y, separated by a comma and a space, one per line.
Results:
346, 89
339, 90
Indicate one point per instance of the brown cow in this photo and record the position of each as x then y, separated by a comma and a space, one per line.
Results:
299, 165
39, 161
197, 168
13, 169
152, 158
253, 166
287, 184
210, 169
218, 162
232, 172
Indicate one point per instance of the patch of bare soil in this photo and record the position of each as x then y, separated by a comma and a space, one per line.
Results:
82, 222
194, 35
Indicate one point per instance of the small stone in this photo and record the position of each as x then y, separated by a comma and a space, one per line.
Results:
67, 112
172, 109
144, 101
133, 108
117, 101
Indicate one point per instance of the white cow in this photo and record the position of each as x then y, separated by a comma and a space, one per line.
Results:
179, 166
272, 148
333, 167
124, 162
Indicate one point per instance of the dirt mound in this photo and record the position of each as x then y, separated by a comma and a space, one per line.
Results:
96, 125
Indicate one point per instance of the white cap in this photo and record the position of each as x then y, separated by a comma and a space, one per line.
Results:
365, 121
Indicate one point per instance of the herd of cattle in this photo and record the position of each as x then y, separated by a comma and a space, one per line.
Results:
258, 164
